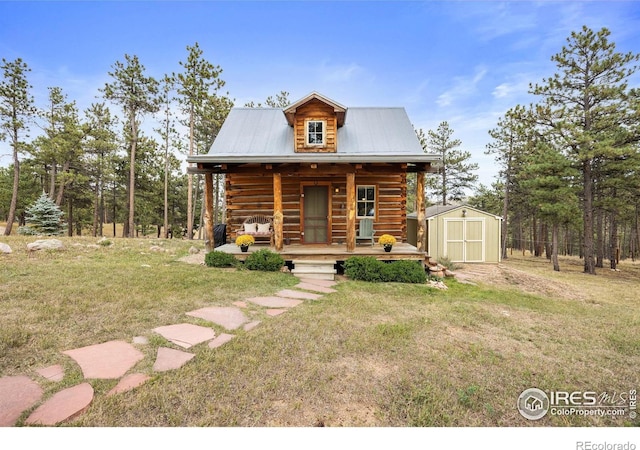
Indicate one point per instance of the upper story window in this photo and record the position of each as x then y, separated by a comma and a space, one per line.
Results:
315, 135
366, 201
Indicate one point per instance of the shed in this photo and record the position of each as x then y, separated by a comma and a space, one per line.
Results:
460, 232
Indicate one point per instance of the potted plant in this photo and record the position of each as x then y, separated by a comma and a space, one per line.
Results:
387, 241
244, 241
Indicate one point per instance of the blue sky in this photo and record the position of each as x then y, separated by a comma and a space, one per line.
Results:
466, 62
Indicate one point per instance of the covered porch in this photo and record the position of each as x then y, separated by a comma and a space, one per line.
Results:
341, 222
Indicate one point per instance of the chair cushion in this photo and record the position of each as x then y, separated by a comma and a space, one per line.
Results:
250, 227
263, 227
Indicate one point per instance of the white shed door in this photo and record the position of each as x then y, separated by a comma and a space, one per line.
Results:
464, 240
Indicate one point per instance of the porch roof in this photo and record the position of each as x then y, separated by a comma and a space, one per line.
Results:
369, 135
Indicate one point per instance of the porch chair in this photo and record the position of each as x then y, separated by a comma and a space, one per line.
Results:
365, 231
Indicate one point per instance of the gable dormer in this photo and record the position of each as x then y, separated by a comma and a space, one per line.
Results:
315, 120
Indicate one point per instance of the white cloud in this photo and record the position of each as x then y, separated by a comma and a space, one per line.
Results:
463, 87
340, 73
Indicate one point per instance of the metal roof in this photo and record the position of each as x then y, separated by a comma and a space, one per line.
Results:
262, 135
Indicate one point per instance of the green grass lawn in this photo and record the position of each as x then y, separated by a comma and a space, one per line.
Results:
369, 355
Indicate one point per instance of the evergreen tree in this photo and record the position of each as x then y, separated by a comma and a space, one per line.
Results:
199, 80
510, 143
137, 93
585, 104
44, 217
549, 179
16, 109
456, 173
100, 146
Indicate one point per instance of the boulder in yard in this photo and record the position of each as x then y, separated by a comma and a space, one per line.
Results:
45, 244
4, 248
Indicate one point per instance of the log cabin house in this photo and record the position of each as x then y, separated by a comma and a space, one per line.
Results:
317, 168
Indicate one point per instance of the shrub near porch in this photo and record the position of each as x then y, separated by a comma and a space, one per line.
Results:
368, 268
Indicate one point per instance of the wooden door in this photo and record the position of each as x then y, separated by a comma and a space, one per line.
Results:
464, 240
315, 206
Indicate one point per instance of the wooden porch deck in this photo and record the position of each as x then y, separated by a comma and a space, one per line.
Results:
333, 252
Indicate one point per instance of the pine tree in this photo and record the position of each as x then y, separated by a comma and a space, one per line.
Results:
16, 109
456, 174
199, 80
585, 104
137, 94
549, 180
44, 217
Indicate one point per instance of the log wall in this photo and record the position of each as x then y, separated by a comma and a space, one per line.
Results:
251, 194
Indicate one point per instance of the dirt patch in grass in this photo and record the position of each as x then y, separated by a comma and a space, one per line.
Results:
502, 275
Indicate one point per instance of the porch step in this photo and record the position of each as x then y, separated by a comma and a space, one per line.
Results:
316, 269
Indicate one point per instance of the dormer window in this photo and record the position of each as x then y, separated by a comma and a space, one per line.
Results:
315, 135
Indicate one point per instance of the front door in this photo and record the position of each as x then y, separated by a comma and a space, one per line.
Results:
315, 206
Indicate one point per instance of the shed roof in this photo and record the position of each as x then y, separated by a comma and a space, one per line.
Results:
436, 210
263, 135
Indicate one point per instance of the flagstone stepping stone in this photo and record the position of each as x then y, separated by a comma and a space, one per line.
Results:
275, 302
170, 359
323, 283
275, 312
186, 335
240, 304
129, 382
220, 340
106, 361
64, 405
290, 293
17, 394
314, 287
228, 317
251, 325
52, 373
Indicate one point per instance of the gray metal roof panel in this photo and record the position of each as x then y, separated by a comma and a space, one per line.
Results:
263, 135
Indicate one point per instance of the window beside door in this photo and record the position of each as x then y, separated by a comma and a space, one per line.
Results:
366, 201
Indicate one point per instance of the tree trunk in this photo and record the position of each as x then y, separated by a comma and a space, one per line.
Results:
96, 210
613, 242
70, 219
548, 246
166, 191
554, 247
190, 181
599, 219
63, 182
132, 176
52, 180
535, 243
16, 184
587, 217
505, 214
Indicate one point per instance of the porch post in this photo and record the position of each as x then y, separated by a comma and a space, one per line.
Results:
420, 206
208, 212
278, 216
351, 212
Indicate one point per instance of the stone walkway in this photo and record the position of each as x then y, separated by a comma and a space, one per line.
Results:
115, 359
